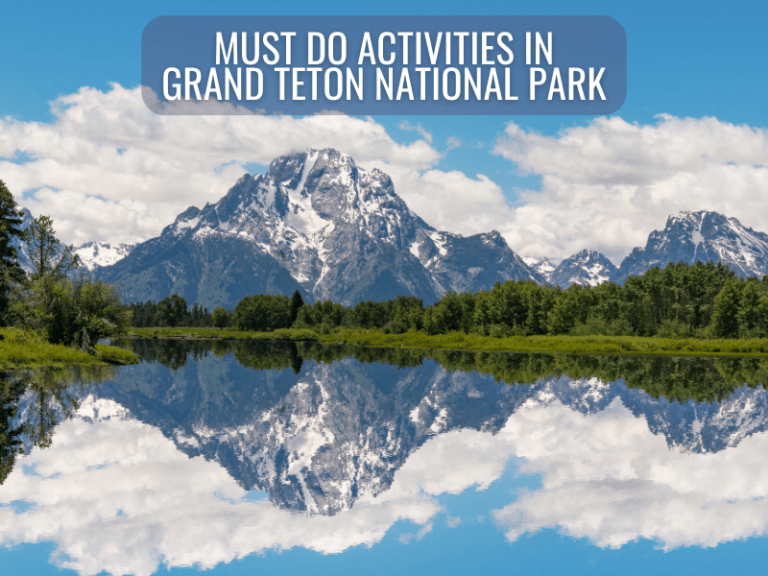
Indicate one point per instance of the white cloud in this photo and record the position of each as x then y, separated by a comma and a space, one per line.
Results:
607, 478
452, 142
451, 200
405, 125
607, 185
407, 538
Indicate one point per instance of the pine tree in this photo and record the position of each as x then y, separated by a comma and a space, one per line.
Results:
296, 303
10, 270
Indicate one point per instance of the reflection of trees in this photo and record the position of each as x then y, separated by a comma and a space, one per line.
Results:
682, 379
33, 403
11, 391
700, 379
173, 354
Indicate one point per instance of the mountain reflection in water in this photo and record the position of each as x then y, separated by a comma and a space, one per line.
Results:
209, 451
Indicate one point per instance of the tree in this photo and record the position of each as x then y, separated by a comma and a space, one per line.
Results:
263, 313
725, 321
172, 310
47, 257
296, 303
74, 312
220, 317
10, 232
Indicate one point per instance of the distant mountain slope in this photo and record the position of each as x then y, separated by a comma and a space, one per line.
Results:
99, 254
541, 266
315, 222
691, 236
588, 268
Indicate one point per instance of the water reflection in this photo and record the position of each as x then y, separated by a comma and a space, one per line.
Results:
32, 403
207, 452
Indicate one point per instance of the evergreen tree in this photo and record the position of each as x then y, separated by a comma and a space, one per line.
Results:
296, 303
10, 271
725, 322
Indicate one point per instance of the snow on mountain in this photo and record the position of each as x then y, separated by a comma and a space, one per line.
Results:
98, 254
588, 268
339, 232
691, 236
542, 266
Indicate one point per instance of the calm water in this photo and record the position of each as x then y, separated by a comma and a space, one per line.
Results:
251, 458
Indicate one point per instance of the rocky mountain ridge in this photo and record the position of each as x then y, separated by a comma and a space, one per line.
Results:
95, 255
691, 236
318, 223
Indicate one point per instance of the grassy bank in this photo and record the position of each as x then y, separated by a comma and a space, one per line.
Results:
286, 335
25, 349
613, 345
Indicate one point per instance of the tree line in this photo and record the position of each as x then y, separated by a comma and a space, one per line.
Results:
50, 296
703, 300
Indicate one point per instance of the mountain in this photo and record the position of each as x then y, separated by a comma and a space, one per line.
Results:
317, 223
542, 266
691, 236
468, 264
99, 254
588, 268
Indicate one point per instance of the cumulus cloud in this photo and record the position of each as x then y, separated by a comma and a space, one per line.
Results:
451, 200
608, 184
607, 478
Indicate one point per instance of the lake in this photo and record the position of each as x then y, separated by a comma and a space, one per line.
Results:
245, 458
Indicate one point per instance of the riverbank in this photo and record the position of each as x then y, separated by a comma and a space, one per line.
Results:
613, 345
25, 349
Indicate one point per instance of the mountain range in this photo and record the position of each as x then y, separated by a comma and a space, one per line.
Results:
318, 223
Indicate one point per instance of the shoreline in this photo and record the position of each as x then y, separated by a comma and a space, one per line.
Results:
457, 341
23, 349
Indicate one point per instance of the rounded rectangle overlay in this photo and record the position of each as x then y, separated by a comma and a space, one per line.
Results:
368, 65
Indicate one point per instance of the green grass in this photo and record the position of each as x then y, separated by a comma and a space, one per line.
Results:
284, 334
26, 349
613, 345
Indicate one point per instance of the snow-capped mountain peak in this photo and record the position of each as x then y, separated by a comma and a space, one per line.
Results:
339, 231
588, 268
98, 254
702, 235
542, 266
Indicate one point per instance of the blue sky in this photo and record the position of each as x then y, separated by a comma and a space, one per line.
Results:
685, 59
